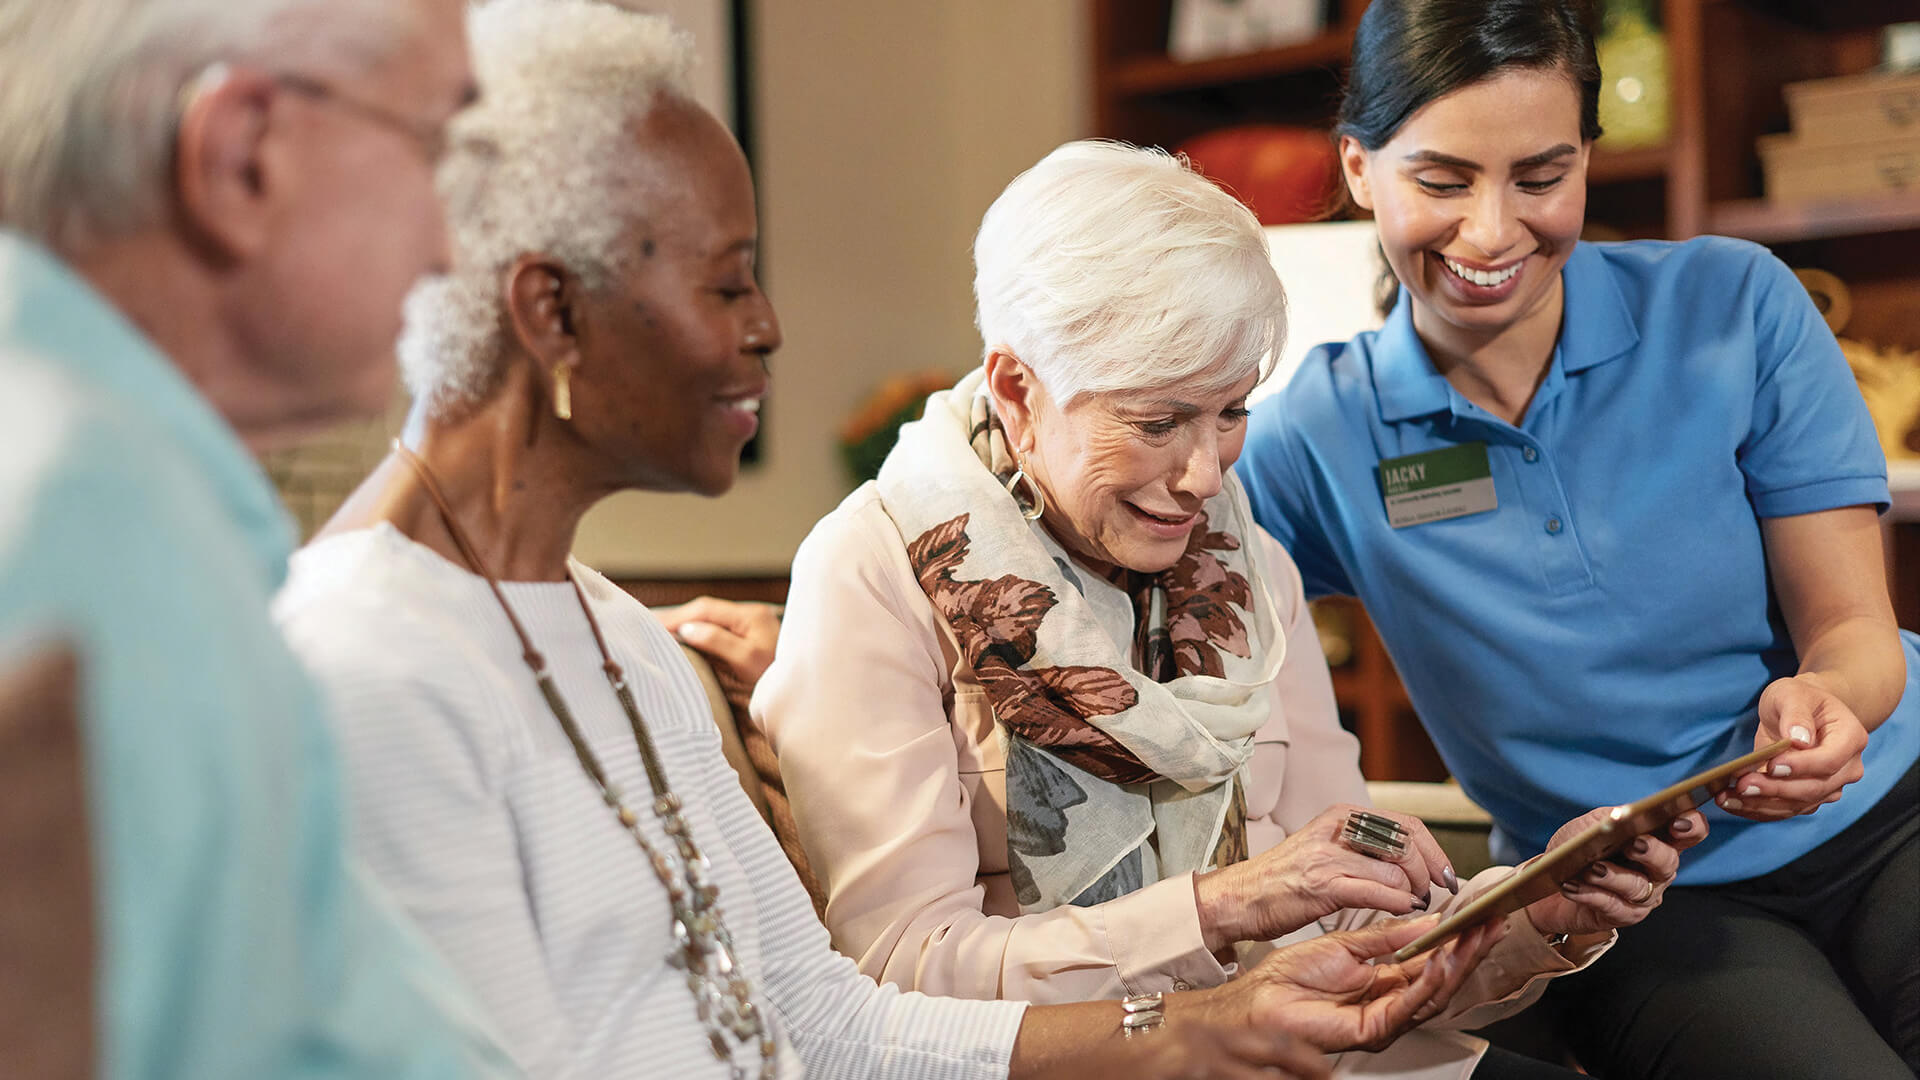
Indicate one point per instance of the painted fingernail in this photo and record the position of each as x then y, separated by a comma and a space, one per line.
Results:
1750, 789
1597, 872
1684, 825
1419, 903
1730, 803
1782, 770
1452, 880
1800, 734
1640, 846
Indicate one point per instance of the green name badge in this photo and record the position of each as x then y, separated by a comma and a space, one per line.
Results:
1437, 485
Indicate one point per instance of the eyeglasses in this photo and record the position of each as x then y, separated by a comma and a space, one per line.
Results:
431, 139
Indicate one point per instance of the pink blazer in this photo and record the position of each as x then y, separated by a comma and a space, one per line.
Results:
888, 752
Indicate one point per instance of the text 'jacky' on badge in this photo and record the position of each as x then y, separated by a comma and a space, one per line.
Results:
1437, 485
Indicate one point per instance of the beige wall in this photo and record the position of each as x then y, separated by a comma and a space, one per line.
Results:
885, 127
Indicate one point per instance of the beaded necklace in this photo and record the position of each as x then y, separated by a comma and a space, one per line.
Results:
703, 947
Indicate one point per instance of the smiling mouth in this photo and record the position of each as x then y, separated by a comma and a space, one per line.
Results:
1181, 519
1486, 279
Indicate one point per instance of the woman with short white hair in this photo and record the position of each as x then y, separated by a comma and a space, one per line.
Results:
538, 778
1048, 704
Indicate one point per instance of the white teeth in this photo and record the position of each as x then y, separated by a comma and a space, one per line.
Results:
1481, 277
751, 404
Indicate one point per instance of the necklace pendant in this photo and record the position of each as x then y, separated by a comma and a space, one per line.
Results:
702, 945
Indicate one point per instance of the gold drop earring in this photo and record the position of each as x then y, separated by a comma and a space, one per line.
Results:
562, 393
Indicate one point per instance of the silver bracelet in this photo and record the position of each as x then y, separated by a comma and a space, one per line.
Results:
1143, 1012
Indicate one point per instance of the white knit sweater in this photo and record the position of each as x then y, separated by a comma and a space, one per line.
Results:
471, 806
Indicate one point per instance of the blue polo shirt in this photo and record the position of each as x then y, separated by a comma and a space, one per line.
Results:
239, 937
1608, 627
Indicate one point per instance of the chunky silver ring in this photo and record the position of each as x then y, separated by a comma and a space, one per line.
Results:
1374, 835
1645, 896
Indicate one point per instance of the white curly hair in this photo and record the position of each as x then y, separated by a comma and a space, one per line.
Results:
1111, 268
90, 94
532, 168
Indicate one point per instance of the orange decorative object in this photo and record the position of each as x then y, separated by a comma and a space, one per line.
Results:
1285, 174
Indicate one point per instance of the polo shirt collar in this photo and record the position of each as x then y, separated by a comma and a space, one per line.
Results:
46, 307
1596, 325
1404, 379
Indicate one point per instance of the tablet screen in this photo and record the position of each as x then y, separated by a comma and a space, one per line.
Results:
1542, 877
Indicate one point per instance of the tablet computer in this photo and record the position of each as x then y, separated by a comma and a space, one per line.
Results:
1543, 876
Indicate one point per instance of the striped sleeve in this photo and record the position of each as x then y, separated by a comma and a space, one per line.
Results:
841, 1022
430, 777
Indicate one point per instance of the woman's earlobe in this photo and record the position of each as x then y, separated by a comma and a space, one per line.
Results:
1353, 169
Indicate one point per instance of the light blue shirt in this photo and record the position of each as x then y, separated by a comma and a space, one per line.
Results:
1608, 627
238, 938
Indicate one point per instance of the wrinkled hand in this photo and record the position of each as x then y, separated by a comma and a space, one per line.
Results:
1610, 894
1827, 743
738, 637
1311, 874
1326, 992
1197, 1048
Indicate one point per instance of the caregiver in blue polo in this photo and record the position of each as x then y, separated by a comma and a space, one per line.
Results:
1613, 508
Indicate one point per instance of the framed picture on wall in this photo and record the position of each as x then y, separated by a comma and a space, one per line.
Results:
722, 79
720, 72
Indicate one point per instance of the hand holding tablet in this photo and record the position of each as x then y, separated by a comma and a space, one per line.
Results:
1614, 830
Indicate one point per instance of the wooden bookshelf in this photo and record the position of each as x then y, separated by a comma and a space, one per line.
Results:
1619, 166
1145, 76
1776, 223
1728, 60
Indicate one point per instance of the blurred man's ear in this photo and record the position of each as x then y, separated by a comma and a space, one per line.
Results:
226, 165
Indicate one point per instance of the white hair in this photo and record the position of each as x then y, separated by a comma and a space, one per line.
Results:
90, 92
1107, 267
534, 167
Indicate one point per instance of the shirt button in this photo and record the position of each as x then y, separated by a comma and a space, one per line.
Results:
1530, 454
1553, 526
1182, 984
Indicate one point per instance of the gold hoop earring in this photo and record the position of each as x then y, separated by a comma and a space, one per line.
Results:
1035, 503
562, 393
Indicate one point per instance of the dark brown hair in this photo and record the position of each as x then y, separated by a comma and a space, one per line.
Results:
1407, 53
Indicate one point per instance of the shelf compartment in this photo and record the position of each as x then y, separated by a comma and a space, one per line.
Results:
1152, 75
1775, 223
1640, 163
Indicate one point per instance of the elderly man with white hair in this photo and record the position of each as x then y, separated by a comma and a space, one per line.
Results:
209, 213
537, 772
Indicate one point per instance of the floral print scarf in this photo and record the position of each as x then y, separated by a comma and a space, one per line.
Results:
1119, 773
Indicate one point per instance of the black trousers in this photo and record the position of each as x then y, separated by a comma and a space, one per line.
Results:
1811, 972
1499, 1064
